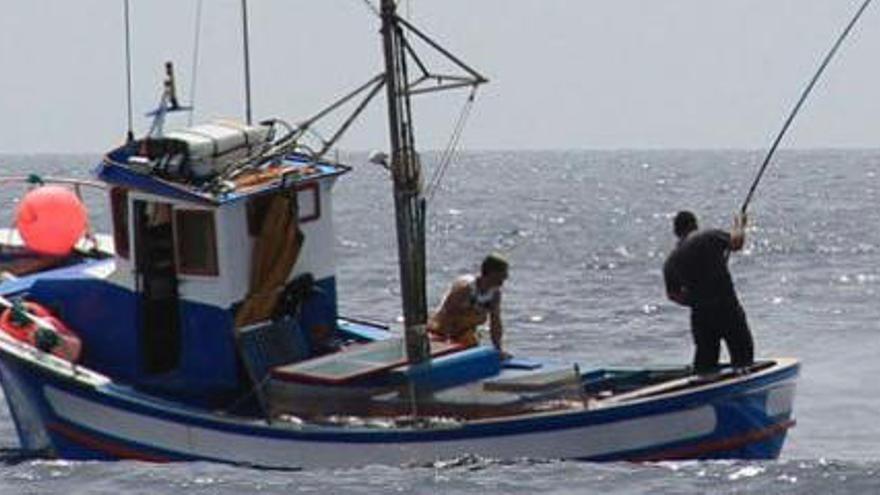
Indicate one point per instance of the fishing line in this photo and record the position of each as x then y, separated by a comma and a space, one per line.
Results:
800, 102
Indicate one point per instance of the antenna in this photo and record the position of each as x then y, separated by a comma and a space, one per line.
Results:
195, 62
130, 135
247, 62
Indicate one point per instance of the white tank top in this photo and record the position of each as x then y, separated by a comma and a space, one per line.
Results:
483, 299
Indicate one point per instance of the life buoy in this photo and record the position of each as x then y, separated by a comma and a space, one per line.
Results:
66, 346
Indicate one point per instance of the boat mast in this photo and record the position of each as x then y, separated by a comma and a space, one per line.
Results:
409, 203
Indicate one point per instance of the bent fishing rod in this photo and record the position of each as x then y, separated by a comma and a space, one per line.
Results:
800, 102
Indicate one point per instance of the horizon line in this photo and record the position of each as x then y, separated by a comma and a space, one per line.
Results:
522, 150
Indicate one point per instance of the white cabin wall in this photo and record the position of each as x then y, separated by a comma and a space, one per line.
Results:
318, 253
123, 275
234, 250
233, 261
218, 291
236, 247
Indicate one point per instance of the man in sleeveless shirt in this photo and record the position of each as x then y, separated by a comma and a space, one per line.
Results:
696, 276
470, 301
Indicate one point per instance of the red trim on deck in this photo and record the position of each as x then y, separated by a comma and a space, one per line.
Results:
113, 449
700, 449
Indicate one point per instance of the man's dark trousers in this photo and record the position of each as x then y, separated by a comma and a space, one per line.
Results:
723, 320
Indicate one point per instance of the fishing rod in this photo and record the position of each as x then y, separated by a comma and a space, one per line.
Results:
800, 102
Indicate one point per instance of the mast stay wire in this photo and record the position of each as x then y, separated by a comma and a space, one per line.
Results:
451, 146
800, 102
195, 63
372, 8
444, 82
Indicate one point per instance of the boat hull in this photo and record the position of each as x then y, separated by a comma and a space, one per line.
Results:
73, 416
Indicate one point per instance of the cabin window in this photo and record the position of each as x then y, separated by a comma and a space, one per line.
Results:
196, 239
308, 204
119, 210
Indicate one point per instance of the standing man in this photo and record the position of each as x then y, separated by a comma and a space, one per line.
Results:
470, 301
696, 276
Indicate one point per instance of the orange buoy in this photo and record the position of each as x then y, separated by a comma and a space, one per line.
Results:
51, 220
65, 344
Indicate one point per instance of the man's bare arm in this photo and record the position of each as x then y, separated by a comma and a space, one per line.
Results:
496, 327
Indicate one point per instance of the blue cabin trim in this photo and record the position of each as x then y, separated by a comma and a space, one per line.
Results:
113, 170
105, 317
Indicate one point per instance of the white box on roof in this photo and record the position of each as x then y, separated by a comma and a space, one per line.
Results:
212, 146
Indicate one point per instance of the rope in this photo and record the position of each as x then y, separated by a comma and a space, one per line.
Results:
800, 102
451, 146
195, 63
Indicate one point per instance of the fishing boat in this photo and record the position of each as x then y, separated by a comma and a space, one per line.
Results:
206, 326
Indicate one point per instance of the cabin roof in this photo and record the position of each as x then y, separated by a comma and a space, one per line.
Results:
293, 169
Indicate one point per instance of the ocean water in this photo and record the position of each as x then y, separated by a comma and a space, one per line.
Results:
586, 233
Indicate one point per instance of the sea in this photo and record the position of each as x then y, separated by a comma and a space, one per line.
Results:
586, 234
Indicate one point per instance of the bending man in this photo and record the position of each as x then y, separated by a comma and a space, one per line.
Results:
470, 301
696, 275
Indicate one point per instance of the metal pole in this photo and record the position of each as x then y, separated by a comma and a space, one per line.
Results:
409, 205
247, 62
130, 135
195, 63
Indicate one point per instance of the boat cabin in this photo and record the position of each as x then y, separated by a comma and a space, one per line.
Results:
194, 261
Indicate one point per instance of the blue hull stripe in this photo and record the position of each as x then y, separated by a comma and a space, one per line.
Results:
735, 394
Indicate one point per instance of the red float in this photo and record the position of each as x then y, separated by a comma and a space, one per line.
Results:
51, 220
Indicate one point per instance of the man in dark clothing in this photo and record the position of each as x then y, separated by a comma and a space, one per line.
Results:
696, 276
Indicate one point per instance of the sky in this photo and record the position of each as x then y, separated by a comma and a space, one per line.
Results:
565, 74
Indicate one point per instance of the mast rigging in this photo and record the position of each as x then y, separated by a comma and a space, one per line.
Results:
405, 166
409, 204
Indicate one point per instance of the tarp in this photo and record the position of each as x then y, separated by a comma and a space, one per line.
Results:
275, 253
